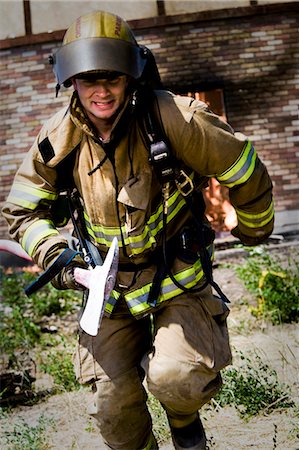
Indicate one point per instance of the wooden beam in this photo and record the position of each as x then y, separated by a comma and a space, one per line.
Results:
161, 8
27, 17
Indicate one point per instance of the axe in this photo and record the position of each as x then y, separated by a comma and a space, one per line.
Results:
100, 281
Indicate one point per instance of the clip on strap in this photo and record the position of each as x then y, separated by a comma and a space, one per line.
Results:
184, 183
62, 261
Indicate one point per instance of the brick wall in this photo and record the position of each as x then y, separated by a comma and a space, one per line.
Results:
251, 54
255, 60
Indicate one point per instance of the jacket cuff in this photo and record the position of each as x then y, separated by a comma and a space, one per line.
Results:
250, 241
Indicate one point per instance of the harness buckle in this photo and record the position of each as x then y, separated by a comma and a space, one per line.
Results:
184, 183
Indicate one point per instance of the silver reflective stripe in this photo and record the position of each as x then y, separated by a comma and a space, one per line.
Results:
29, 197
138, 243
35, 233
256, 220
241, 170
137, 300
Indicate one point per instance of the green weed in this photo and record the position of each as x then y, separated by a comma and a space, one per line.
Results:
21, 316
160, 422
26, 437
22, 320
58, 363
253, 388
275, 282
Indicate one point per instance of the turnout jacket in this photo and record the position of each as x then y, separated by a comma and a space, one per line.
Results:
122, 196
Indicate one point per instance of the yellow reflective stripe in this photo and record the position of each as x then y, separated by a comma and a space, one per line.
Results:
173, 199
137, 299
145, 240
114, 296
257, 220
35, 233
241, 170
140, 296
28, 196
256, 216
139, 243
110, 231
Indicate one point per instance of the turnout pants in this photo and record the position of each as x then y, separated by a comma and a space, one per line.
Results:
179, 350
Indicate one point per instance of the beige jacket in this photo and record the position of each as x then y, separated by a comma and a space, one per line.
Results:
121, 194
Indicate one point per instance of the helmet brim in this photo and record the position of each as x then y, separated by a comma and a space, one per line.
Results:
108, 54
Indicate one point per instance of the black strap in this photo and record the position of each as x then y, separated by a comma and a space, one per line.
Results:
155, 289
166, 168
62, 261
197, 207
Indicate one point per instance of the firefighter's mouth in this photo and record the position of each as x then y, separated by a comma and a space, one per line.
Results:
104, 104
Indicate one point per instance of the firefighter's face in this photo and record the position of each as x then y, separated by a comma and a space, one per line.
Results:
101, 97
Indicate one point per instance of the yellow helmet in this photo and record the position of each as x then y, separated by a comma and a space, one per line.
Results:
98, 41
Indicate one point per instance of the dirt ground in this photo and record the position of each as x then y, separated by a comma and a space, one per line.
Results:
73, 429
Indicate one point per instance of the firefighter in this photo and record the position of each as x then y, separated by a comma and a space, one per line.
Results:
163, 323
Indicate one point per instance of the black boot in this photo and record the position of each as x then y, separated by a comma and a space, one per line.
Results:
191, 437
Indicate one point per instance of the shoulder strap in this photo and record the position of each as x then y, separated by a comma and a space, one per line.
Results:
160, 155
166, 166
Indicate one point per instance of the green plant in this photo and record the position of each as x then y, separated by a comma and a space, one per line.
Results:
21, 316
26, 437
295, 423
45, 302
275, 282
253, 388
160, 422
58, 363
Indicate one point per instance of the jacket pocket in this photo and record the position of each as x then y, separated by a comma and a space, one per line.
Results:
135, 196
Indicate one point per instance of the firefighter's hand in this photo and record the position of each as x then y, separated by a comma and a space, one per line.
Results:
82, 276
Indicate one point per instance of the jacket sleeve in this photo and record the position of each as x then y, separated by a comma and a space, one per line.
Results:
28, 213
211, 148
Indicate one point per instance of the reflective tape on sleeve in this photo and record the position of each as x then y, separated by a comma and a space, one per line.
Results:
36, 233
29, 197
256, 220
242, 169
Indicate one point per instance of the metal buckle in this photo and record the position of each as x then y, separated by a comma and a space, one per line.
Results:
185, 186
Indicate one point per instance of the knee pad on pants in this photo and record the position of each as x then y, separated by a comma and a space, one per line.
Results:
180, 386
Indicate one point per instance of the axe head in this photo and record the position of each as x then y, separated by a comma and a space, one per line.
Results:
102, 281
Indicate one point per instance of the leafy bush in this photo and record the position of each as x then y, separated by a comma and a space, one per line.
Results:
275, 282
253, 388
